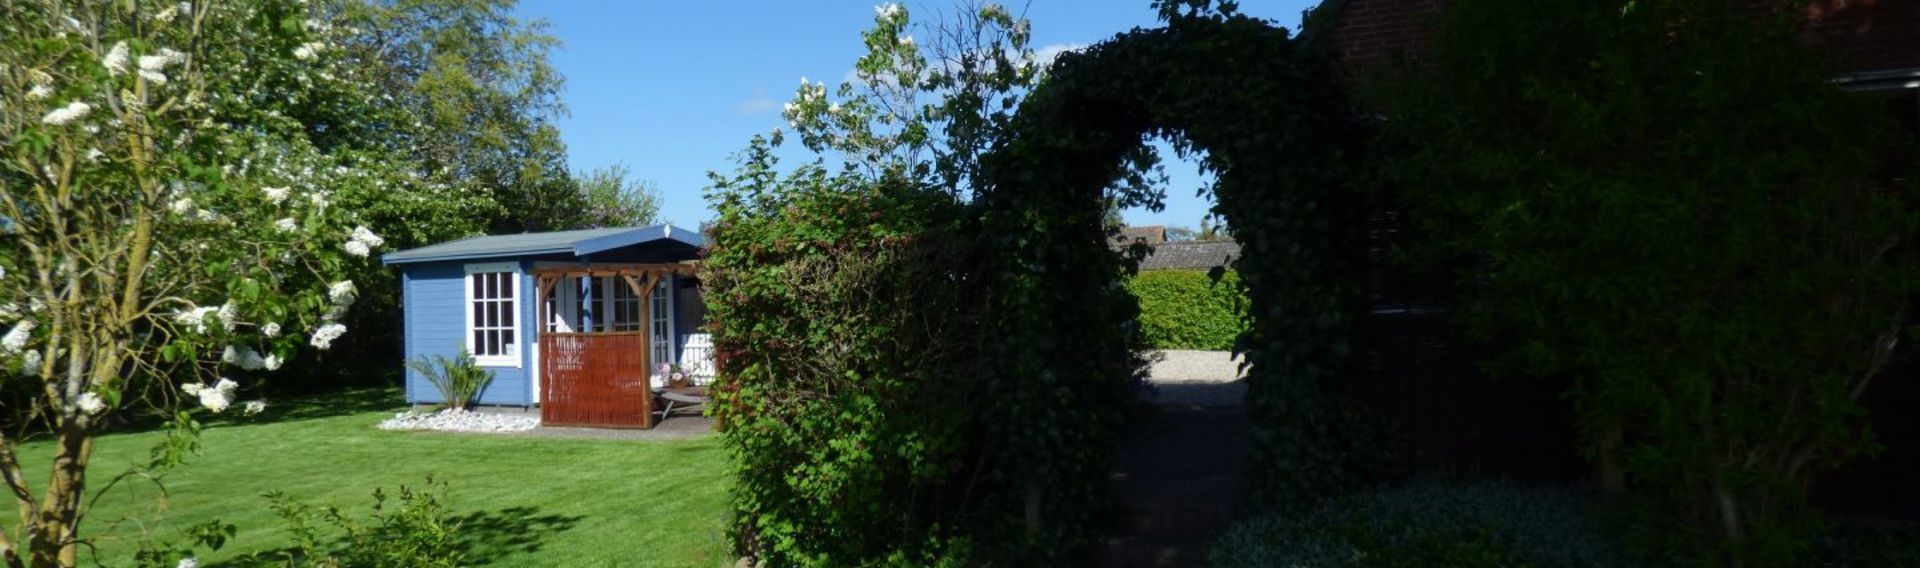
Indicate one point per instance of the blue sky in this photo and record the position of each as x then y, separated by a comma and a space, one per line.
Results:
673, 89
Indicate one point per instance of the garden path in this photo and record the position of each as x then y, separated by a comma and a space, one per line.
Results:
1179, 472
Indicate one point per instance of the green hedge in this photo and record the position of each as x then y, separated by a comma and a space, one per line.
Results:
1186, 309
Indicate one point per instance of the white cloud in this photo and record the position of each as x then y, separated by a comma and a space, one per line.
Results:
760, 103
1046, 55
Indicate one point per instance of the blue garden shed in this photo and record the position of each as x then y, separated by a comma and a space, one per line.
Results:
577, 323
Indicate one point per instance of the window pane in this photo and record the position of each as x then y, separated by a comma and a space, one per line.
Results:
506, 337
479, 318
506, 314
479, 345
493, 342
475, 278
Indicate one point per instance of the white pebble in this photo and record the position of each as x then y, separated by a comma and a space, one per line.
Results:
460, 421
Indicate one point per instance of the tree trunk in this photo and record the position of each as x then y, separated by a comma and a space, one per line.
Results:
54, 542
1613, 476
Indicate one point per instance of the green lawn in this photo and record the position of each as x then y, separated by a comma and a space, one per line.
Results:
531, 502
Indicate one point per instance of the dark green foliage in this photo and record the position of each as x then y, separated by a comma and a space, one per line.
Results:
1672, 209
1277, 132
849, 333
413, 530
1187, 309
1429, 523
459, 380
910, 380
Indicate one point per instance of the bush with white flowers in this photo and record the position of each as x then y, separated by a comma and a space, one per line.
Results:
209, 240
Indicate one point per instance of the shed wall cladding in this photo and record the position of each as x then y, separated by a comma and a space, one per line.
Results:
436, 325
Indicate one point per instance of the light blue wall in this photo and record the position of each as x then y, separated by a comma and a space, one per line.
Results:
435, 297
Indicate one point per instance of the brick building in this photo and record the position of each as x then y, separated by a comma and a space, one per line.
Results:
1414, 367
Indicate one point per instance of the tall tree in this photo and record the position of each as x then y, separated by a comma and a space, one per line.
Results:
616, 200
473, 100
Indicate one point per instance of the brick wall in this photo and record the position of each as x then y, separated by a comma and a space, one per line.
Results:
1863, 35
1372, 32
1867, 35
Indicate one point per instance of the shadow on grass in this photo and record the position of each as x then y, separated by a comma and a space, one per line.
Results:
482, 538
303, 407
486, 535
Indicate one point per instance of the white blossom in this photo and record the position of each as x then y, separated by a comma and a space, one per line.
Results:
90, 403
342, 292
308, 50
229, 315
30, 363
318, 199
255, 407
116, 59
275, 194
364, 235
356, 248
215, 398
243, 357
75, 110
887, 11
906, 41
188, 562
181, 206
272, 362
167, 15
272, 329
94, 154
323, 337
196, 317
39, 92
161, 59
154, 77
286, 224
16, 339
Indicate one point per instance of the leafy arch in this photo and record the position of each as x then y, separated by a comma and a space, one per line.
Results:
1282, 139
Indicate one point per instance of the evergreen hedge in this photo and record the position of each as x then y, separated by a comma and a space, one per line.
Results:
1188, 309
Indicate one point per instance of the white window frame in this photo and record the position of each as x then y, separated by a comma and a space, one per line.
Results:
513, 358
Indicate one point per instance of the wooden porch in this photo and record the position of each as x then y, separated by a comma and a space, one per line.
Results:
598, 377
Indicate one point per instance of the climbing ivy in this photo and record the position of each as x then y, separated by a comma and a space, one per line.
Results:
1669, 206
1280, 136
914, 378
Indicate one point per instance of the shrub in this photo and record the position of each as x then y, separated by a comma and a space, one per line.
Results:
415, 532
459, 380
1428, 523
1678, 213
1188, 309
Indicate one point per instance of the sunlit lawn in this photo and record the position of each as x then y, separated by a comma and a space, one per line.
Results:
531, 502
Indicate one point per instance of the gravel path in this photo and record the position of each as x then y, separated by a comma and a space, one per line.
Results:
1197, 379
1175, 365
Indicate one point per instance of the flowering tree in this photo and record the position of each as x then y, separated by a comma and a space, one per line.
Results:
166, 233
925, 112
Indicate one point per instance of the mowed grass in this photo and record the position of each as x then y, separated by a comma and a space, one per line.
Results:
524, 501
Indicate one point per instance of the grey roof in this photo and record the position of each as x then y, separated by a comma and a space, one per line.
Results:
1191, 255
1151, 234
580, 242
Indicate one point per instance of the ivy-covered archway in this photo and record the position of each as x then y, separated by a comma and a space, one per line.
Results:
1277, 131
911, 379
